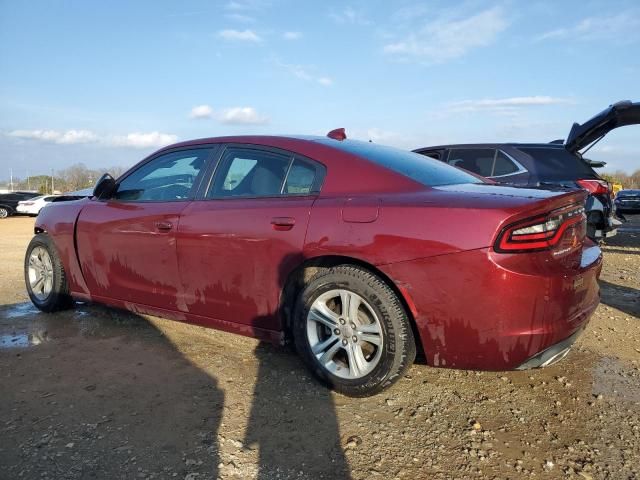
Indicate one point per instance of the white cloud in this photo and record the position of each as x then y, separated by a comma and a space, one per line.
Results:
442, 39
74, 137
201, 111
506, 104
240, 35
307, 73
242, 116
350, 16
622, 28
68, 137
236, 5
142, 140
240, 17
292, 35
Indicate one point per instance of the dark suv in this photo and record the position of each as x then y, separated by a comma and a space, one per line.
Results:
559, 164
9, 201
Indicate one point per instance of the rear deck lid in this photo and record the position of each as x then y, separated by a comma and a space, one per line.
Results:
619, 114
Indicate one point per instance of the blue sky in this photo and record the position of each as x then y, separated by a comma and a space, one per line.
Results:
106, 83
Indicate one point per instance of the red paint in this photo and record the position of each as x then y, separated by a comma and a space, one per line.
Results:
223, 263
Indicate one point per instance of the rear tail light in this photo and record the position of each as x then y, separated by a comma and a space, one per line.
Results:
595, 187
566, 226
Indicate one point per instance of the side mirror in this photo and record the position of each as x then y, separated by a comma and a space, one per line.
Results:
105, 187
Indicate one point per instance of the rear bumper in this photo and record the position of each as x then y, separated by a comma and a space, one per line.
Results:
553, 354
487, 311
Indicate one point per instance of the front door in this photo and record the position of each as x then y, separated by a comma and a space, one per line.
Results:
238, 244
127, 244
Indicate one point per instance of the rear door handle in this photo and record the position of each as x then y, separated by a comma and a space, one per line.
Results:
164, 226
283, 223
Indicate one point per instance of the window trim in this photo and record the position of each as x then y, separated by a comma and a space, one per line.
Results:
195, 188
521, 168
207, 185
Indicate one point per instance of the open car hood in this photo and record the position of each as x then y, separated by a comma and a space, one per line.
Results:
617, 115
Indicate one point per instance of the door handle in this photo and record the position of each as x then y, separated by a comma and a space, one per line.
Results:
283, 223
164, 226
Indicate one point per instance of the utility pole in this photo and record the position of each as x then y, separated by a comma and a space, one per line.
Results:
52, 187
11, 178
28, 181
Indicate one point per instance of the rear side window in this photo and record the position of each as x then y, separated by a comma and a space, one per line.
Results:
476, 160
300, 179
420, 168
503, 165
245, 172
558, 164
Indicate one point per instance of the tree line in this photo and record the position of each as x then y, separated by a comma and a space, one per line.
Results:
75, 177
622, 178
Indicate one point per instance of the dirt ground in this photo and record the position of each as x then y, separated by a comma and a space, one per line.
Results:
101, 393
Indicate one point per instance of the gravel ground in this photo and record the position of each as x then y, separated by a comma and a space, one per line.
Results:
101, 393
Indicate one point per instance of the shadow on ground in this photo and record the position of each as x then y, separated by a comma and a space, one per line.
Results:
626, 299
102, 393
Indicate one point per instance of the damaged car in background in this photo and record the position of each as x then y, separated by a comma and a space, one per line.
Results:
560, 164
360, 255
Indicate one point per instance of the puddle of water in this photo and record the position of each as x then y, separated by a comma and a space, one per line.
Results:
19, 310
22, 340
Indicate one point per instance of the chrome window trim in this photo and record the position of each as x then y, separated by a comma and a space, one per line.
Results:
520, 170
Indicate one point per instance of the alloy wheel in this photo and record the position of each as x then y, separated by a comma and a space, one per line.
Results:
345, 334
40, 273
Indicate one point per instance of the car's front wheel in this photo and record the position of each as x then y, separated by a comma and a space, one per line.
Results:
45, 277
352, 331
4, 212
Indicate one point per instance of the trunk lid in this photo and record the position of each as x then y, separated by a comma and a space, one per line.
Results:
619, 114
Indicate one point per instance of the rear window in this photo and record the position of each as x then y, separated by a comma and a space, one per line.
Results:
420, 168
558, 164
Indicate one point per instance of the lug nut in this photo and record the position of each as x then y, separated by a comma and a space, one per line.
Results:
337, 331
342, 322
352, 325
354, 338
344, 342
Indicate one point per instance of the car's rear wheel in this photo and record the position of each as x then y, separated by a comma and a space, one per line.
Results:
352, 331
45, 277
4, 212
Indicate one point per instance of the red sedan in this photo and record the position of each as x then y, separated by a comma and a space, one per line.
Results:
358, 253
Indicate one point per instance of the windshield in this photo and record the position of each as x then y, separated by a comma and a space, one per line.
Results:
426, 170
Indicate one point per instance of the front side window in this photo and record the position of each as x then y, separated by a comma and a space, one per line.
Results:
245, 172
476, 160
169, 177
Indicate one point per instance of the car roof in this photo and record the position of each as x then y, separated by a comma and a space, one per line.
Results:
491, 145
331, 152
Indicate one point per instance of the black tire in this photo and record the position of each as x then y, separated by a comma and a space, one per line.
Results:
399, 348
5, 212
59, 298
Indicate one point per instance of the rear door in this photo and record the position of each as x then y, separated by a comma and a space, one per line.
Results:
127, 244
238, 243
